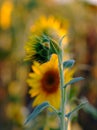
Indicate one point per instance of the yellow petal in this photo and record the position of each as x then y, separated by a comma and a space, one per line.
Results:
36, 69
38, 100
68, 74
35, 76
34, 92
33, 83
54, 58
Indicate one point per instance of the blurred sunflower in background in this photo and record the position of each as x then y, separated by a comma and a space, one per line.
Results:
51, 27
38, 48
6, 14
16, 112
45, 82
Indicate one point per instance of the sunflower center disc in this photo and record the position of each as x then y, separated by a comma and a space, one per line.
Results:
50, 81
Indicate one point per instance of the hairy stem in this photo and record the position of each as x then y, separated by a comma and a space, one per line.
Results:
63, 122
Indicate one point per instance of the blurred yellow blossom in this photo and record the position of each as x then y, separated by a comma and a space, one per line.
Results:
16, 112
14, 88
6, 12
50, 27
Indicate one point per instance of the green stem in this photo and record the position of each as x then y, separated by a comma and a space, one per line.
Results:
63, 122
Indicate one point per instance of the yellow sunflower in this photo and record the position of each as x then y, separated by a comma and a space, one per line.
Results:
51, 27
43, 28
45, 82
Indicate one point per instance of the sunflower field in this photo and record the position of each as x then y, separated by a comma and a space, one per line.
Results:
46, 45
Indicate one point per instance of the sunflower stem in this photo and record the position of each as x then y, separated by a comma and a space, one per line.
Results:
63, 92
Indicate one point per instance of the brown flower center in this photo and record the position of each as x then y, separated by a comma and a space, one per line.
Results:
50, 81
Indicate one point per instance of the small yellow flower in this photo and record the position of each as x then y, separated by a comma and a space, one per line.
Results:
45, 82
37, 48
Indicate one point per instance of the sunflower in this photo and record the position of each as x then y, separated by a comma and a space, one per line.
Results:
44, 28
50, 27
45, 82
37, 49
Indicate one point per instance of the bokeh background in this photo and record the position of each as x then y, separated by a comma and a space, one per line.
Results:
16, 18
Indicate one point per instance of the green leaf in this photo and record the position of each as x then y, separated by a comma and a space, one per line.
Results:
74, 80
54, 47
68, 64
76, 109
91, 110
60, 42
55, 110
36, 111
